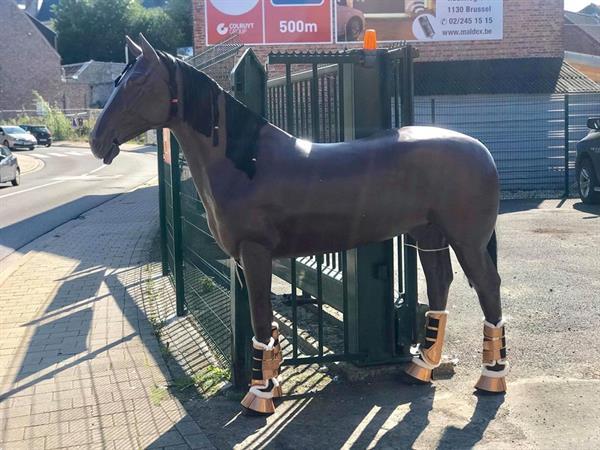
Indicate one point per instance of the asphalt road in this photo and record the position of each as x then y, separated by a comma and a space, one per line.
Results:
71, 182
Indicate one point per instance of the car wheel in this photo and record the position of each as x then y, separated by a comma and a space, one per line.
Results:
17, 179
587, 182
5, 143
353, 29
48, 145
31, 148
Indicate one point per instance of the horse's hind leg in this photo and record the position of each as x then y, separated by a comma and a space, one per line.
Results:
438, 274
266, 351
483, 275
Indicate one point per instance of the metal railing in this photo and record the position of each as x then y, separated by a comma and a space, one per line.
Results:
531, 137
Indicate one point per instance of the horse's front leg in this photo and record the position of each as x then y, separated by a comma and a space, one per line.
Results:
256, 261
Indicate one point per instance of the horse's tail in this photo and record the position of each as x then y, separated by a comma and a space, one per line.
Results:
492, 249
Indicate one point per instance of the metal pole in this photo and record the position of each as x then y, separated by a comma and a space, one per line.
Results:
161, 202
567, 189
410, 253
177, 228
289, 100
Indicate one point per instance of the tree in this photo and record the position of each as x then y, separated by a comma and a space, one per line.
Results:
96, 29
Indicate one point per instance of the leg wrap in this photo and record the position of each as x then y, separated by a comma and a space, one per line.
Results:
430, 353
264, 386
495, 365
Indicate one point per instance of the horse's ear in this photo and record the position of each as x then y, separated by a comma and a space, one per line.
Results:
135, 49
148, 51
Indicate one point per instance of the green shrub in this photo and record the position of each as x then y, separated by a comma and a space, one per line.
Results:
55, 120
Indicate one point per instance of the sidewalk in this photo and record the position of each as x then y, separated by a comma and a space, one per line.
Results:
80, 365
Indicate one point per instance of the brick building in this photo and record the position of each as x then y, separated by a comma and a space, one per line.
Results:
532, 29
29, 62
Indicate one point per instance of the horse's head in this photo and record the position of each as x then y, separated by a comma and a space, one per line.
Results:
141, 101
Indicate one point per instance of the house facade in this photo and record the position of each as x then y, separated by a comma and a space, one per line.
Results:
28, 63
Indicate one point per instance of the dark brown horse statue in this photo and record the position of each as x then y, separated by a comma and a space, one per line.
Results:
270, 195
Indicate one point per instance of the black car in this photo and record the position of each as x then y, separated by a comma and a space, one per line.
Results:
9, 167
587, 165
41, 133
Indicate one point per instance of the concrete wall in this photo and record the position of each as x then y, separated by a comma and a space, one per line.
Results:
27, 62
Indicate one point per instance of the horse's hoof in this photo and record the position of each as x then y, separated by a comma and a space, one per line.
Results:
251, 413
418, 373
410, 380
491, 385
259, 405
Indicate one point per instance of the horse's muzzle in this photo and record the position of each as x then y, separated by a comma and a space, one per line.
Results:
112, 153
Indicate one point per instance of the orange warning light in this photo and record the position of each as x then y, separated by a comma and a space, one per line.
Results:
370, 42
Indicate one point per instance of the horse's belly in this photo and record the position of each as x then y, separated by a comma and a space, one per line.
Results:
327, 233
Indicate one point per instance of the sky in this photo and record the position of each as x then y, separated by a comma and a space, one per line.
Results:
578, 5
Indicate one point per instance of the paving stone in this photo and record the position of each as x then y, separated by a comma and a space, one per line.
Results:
78, 357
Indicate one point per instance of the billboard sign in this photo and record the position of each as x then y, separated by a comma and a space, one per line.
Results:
269, 22
420, 20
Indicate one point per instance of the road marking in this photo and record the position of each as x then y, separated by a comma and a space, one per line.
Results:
60, 155
41, 156
31, 189
61, 180
96, 169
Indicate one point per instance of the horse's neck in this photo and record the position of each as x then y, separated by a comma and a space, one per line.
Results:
204, 160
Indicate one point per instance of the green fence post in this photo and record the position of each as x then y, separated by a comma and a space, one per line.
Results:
161, 201
567, 187
177, 226
249, 81
369, 268
410, 253
241, 329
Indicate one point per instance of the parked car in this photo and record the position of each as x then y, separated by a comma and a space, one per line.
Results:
350, 21
9, 167
41, 133
15, 137
587, 164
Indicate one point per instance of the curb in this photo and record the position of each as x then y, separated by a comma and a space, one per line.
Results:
76, 144
32, 163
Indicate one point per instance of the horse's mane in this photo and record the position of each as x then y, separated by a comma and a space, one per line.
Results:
200, 111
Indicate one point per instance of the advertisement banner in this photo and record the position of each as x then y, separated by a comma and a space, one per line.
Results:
420, 20
269, 22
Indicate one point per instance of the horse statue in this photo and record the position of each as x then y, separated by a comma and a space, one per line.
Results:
270, 195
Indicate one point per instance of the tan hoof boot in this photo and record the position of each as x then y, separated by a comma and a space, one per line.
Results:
256, 403
490, 384
430, 353
264, 385
495, 365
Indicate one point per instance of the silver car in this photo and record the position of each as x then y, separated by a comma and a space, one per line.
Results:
9, 167
15, 137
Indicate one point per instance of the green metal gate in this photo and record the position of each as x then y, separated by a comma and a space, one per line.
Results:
370, 292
